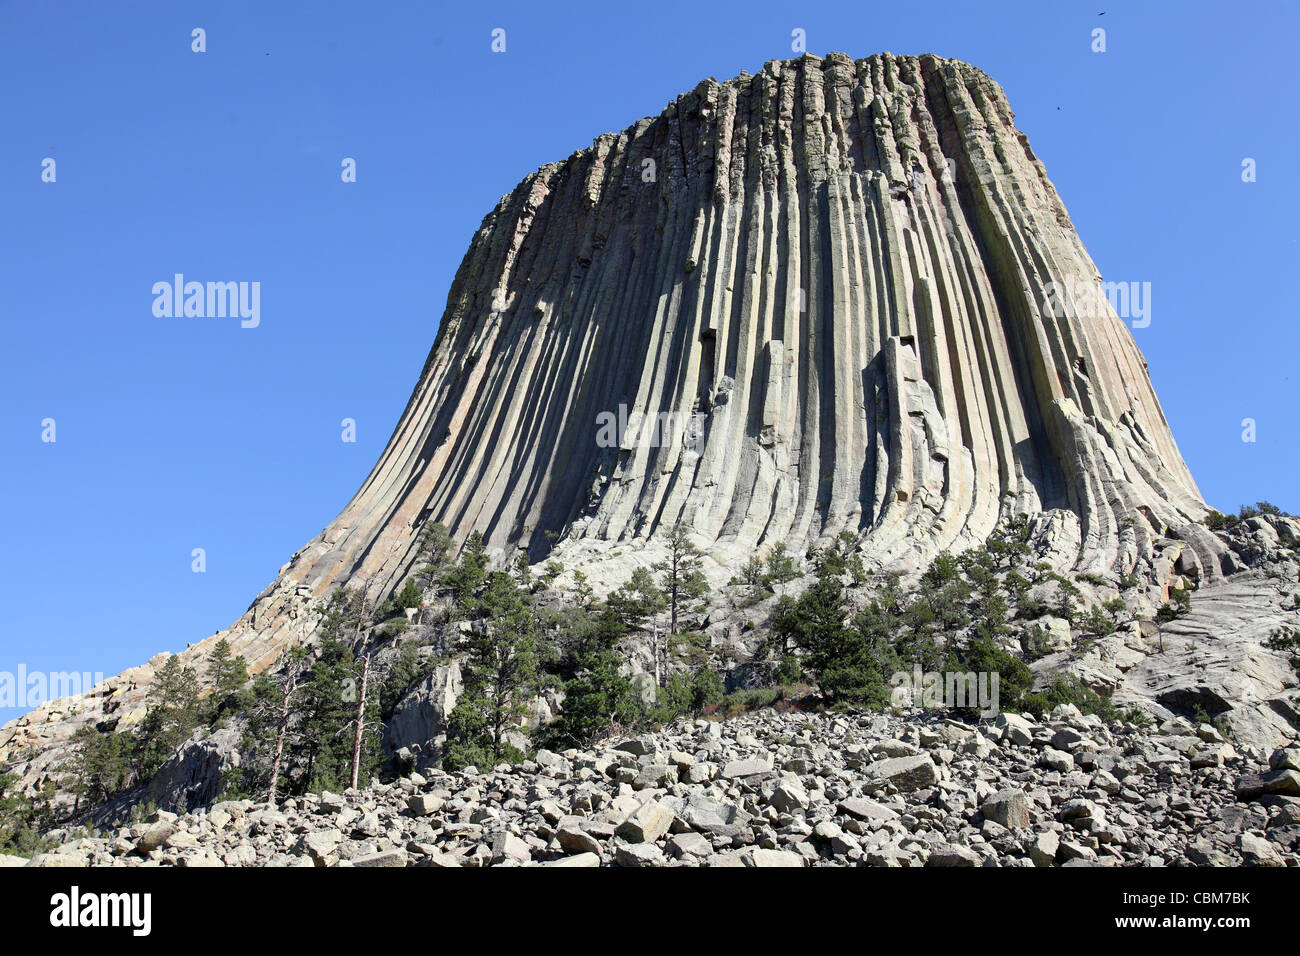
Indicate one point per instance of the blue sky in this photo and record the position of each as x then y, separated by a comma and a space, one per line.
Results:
175, 434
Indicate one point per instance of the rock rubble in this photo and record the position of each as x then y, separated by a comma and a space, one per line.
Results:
780, 789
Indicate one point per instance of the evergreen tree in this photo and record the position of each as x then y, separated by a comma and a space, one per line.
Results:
583, 595
839, 657
173, 713
100, 765
753, 574
639, 602
21, 818
270, 732
227, 675
936, 614
407, 598
466, 578
433, 555
598, 698
324, 751
500, 673
1015, 680
1008, 545
683, 582
330, 695
781, 566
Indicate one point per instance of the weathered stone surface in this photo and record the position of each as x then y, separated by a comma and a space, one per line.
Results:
1009, 808
638, 854
421, 716
574, 840
769, 858
865, 809
388, 858
155, 835
904, 773
421, 805
507, 846
953, 855
650, 821
1275, 781
747, 767
1044, 848
192, 777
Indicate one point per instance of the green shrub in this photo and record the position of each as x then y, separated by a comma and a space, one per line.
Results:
743, 701
1069, 689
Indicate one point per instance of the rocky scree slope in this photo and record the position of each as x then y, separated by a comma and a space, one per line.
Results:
781, 789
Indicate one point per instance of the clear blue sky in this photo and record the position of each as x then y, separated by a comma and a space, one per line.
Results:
174, 434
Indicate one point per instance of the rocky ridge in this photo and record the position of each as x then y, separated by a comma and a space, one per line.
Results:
780, 789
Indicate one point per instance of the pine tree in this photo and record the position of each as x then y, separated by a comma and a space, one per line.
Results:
638, 603
227, 675
324, 751
583, 594
270, 730
408, 597
286, 688
467, 577
1008, 545
753, 574
20, 818
328, 744
841, 659
598, 697
433, 555
173, 713
100, 766
500, 673
683, 582
781, 566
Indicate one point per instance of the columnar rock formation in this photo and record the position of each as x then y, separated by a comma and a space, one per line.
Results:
831, 280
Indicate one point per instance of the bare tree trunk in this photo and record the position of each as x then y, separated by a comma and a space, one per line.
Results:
361, 721
290, 685
361, 615
654, 647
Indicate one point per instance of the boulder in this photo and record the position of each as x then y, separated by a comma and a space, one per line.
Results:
1009, 808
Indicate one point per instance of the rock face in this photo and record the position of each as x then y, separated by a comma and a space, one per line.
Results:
421, 716
192, 778
834, 284
836, 287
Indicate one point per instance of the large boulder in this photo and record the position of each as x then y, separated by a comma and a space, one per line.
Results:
419, 722
1007, 807
192, 777
904, 773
